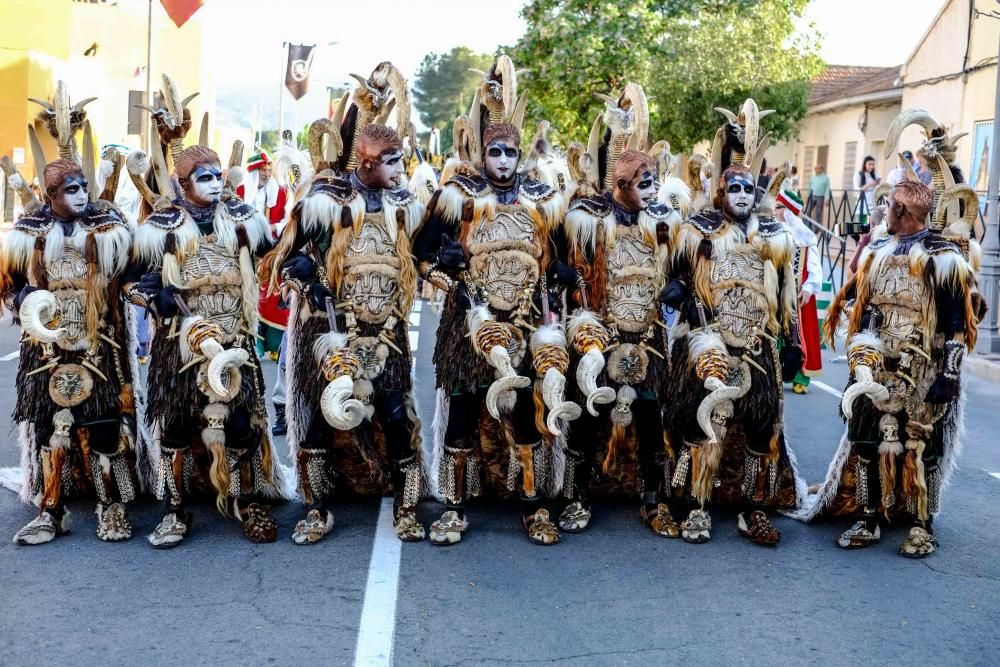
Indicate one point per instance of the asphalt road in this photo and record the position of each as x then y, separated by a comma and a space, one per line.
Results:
614, 595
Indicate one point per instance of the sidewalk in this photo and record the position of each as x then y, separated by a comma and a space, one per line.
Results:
986, 366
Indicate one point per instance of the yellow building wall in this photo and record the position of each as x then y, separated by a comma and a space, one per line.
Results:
44, 41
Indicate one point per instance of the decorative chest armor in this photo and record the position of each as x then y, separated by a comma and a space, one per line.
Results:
213, 286
737, 284
371, 275
898, 299
632, 281
505, 252
67, 281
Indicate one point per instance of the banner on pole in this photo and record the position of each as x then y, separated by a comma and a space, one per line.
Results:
297, 73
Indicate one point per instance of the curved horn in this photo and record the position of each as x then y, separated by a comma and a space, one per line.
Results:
507, 378
16, 181
172, 99
362, 81
481, 73
959, 193
719, 393
401, 94
203, 131
37, 309
88, 159
918, 116
864, 383
717, 145
504, 67
137, 165
461, 137
590, 366
45, 104
553, 393
338, 114
881, 192
730, 116
339, 409
163, 182
383, 116
78, 107
574, 152
187, 100
908, 172
765, 113
222, 364
37, 154
611, 102
758, 156
636, 97
517, 117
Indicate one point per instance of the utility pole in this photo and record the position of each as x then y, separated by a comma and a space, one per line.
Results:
148, 134
281, 85
989, 275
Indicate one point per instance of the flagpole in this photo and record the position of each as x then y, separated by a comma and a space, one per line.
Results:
281, 85
147, 135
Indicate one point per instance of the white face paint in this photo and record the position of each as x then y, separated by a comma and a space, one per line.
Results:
501, 162
386, 173
740, 194
205, 185
71, 199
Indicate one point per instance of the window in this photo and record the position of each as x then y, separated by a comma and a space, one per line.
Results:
136, 117
850, 156
809, 162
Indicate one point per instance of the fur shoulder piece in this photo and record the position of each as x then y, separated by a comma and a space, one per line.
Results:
587, 219
328, 197
167, 219
403, 210
151, 234
951, 269
471, 194
105, 223
707, 223
547, 201
660, 222
773, 239
238, 209
935, 244
662, 213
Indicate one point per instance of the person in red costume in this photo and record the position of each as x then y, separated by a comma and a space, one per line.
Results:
267, 197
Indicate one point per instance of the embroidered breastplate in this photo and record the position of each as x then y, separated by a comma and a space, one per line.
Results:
213, 286
505, 251
632, 281
66, 277
372, 271
737, 285
899, 296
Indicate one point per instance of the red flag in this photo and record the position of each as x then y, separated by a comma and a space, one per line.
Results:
180, 11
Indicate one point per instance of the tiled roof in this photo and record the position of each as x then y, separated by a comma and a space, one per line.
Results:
841, 81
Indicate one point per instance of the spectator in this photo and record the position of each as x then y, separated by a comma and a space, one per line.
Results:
924, 172
819, 190
866, 181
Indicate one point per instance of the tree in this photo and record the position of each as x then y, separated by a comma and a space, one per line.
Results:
689, 55
444, 86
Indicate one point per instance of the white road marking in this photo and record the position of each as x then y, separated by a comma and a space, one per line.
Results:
825, 387
378, 615
414, 340
995, 474
417, 305
11, 355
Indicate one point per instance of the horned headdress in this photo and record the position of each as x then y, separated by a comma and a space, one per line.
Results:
495, 101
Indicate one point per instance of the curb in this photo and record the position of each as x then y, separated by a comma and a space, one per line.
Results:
984, 367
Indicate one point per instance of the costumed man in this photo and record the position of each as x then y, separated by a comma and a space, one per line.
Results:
733, 283
346, 254
193, 268
911, 315
262, 192
486, 243
618, 244
809, 274
60, 273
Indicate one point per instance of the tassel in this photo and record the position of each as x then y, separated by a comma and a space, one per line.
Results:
171, 274
888, 450
346, 218
540, 425
621, 419
914, 479
214, 438
705, 460
525, 458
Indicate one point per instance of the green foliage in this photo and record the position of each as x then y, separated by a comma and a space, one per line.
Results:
689, 55
444, 86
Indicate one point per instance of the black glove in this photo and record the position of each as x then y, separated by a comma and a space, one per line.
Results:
690, 309
944, 390
21, 296
317, 295
451, 255
163, 302
791, 362
673, 293
563, 273
299, 268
